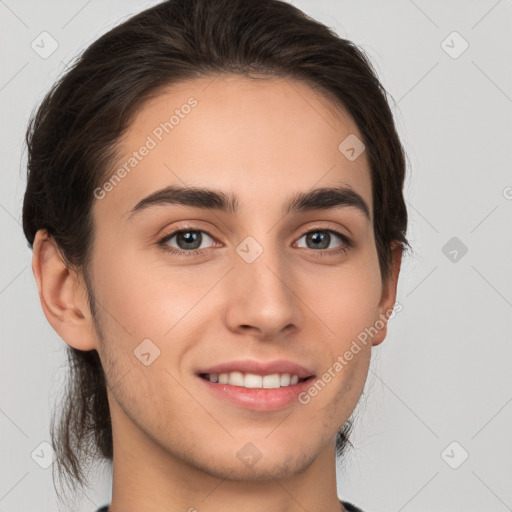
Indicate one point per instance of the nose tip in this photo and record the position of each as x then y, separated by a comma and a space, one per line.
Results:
261, 300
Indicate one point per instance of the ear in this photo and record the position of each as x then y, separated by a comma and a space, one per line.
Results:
63, 294
388, 296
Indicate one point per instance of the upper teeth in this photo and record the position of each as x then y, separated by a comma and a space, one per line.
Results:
251, 380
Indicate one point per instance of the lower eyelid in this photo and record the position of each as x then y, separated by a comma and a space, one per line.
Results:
345, 240
163, 241
166, 238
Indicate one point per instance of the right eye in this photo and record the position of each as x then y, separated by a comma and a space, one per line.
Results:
189, 239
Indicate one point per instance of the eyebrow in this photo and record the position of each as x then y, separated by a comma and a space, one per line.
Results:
198, 197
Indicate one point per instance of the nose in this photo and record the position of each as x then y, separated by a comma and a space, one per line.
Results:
261, 298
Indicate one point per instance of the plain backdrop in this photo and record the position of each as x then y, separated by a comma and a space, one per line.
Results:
433, 428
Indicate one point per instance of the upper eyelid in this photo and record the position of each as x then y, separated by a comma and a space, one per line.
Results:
345, 238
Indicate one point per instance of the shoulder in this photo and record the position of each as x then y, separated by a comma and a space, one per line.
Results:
348, 506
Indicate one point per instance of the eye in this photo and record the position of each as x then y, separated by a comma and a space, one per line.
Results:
322, 238
188, 241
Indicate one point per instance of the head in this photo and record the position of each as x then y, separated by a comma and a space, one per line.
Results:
248, 99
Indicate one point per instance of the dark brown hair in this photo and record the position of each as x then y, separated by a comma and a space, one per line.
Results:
72, 138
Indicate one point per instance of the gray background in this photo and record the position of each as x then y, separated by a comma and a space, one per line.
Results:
443, 375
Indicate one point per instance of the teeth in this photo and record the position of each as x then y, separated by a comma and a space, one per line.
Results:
251, 380
285, 379
234, 378
271, 381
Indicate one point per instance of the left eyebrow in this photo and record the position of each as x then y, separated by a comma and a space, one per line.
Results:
316, 199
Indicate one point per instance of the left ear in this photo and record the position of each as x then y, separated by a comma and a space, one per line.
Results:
388, 296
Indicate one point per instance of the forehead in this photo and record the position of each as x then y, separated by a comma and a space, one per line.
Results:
263, 138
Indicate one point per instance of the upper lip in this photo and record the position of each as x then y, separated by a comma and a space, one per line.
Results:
260, 368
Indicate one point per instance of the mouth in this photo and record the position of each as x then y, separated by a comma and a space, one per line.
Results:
261, 393
255, 384
254, 381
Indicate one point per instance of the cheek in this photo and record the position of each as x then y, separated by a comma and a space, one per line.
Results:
148, 297
145, 299
345, 303
345, 300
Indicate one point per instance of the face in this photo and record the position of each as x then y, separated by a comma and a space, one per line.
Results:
183, 287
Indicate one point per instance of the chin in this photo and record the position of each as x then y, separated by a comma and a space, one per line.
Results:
255, 466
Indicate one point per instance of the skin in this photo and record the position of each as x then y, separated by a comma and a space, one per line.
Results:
175, 444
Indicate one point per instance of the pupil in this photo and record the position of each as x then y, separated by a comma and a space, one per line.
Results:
318, 237
190, 237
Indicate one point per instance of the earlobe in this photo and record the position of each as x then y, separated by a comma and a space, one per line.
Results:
388, 296
63, 297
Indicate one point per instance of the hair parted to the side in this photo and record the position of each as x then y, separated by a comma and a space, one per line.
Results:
71, 141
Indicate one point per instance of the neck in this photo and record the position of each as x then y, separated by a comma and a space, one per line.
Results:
147, 476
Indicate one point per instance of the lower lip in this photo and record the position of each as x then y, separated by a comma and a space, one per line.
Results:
258, 399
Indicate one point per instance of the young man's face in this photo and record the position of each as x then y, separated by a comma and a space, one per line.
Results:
251, 285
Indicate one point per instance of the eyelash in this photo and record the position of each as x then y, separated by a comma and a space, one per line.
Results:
344, 247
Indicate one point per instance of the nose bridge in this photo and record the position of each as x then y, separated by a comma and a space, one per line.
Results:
262, 295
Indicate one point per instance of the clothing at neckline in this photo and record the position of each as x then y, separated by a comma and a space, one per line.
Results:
346, 504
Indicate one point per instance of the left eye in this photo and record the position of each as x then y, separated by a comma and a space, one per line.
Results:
321, 238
